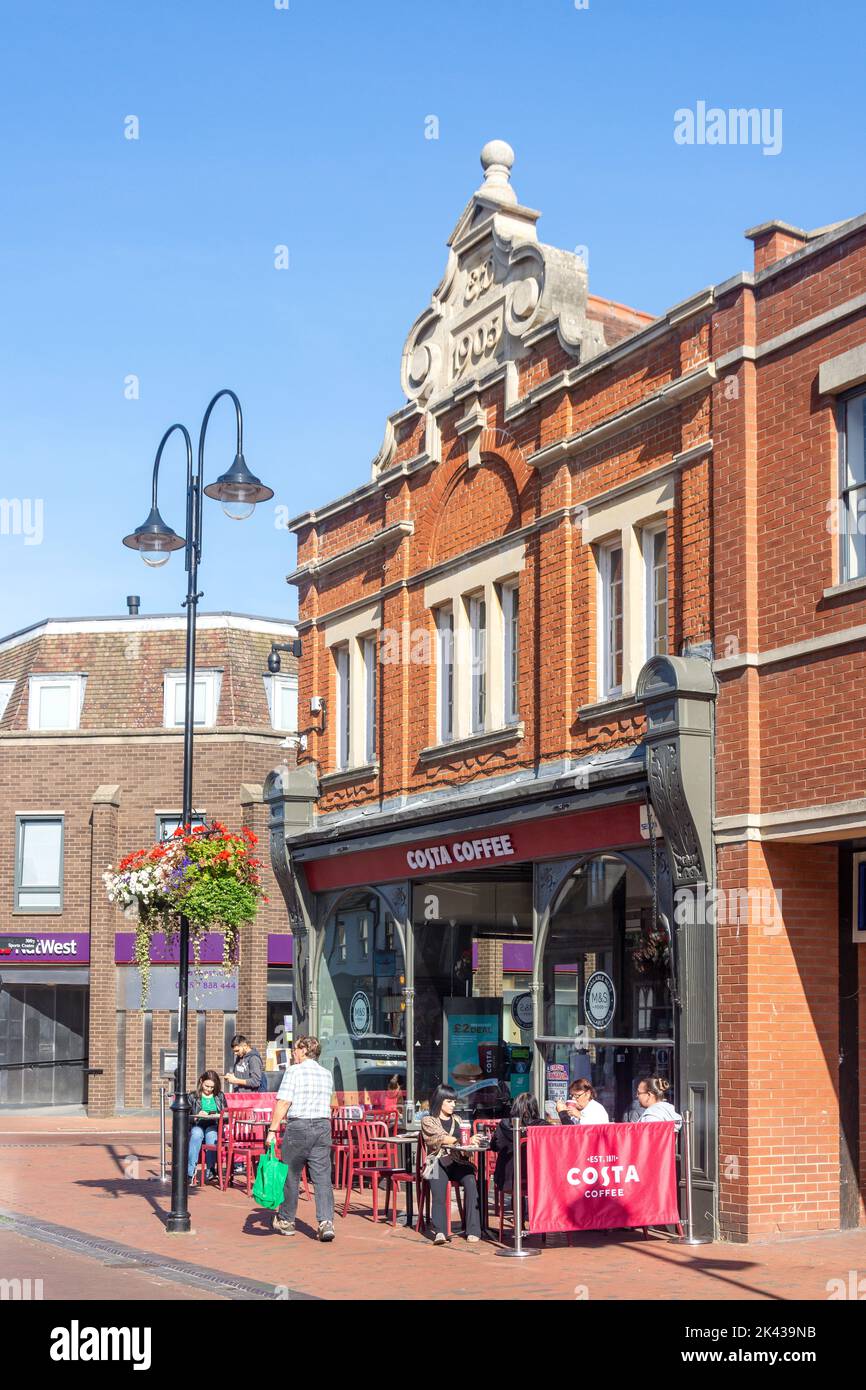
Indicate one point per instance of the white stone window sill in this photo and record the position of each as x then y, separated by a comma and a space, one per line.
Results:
475, 743
614, 704
850, 586
350, 774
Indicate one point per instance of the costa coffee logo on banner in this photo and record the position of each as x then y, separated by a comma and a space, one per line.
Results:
599, 1179
461, 852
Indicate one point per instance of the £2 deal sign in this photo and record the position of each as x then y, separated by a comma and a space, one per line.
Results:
591, 1177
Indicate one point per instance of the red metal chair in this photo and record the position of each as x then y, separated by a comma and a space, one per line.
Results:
247, 1136
389, 1118
501, 1192
371, 1161
342, 1116
423, 1194
488, 1127
218, 1148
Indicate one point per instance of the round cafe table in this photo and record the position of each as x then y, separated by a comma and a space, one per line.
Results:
408, 1143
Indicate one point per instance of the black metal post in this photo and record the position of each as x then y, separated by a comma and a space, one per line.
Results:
178, 1218
236, 489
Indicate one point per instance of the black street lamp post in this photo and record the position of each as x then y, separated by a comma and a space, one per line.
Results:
238, 491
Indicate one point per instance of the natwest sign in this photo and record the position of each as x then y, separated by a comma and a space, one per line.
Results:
542, 838
46, 947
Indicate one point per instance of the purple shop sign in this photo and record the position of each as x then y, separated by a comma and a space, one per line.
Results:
280, 948
163, 951
46, 948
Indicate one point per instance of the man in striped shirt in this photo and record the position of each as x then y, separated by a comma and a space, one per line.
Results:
304, 1101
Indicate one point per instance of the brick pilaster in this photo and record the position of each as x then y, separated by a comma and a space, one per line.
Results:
253, 972
103, 923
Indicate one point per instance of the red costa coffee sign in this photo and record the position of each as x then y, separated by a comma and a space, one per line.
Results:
544, 838
593, 1177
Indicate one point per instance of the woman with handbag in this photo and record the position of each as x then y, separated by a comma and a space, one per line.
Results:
446, 1164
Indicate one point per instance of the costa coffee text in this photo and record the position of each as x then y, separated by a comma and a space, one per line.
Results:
461, 852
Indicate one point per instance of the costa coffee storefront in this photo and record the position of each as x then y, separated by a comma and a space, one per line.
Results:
521, 936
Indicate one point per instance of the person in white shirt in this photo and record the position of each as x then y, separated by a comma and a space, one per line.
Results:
582, 1106
304, 1101
651, 1094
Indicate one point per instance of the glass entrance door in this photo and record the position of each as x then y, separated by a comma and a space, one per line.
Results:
607, 1008
44, 1024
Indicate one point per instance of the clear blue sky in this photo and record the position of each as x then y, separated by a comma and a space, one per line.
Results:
306, 127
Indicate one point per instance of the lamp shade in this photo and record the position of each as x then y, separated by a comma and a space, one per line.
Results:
154, 540
239, 490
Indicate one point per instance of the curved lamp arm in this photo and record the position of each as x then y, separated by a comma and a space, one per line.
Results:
162, 443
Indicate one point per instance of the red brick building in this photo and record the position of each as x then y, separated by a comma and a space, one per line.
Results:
602, 563
91, 758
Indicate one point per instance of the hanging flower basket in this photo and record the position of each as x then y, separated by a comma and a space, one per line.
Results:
652, 952
206, 873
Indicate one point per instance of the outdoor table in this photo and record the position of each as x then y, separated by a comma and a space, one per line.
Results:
481, 1167
409, 1142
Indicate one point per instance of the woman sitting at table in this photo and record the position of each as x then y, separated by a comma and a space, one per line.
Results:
205, 1104
582, 1106
651, 1092
524, 1109
441, 1134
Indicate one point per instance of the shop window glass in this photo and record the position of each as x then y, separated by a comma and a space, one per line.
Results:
607, 975
362, 1009
467, 931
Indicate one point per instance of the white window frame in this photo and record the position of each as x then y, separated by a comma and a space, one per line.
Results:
343, 704
75, 683
476, 606
509, 597
275, 687
850, 535
370, 650
648, 537
175, 681
6, 688
21, 821
169, 821
445, 673
608, 688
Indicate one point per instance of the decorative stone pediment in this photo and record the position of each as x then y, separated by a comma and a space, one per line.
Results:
500, 287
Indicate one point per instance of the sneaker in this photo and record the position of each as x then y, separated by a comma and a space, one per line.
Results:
473, 1240
211, 1177
282, 1227
326, 1231
440, 1238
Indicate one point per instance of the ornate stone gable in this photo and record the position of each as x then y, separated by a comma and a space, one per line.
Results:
501, 290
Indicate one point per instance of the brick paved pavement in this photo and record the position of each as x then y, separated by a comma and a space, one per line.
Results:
99, 1179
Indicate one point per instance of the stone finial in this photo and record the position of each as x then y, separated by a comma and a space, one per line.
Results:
497, 158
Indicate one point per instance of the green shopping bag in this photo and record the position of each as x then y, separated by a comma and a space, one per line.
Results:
270, 1179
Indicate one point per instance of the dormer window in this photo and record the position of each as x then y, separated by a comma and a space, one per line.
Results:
206, 697
6, 688
55, 701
